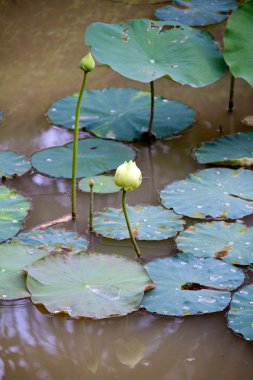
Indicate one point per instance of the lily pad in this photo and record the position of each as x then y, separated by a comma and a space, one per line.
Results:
233, 150
146, 50
13, 258
122, 114
94, 156
238, 44
13, 210
53, 240
197, 12
82, 285
148, 223
231, 242
212, 193
12, 164
103, 184
186, 285
240, 315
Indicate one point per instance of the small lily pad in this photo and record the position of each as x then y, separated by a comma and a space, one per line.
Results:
12, 164
240, 315
146, 50
197, 12
232, 150
148, 223
95, 156
103, 184
53, 240
186, 285
231, 242
122, 114
82, 285
238, 44
212, 193
13, 258
13, 210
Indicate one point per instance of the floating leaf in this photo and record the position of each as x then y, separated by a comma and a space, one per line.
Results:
12, 164
186, 285
240, 315
148, 223
197, 12
146, 50
13, 210
231, 242
122, 114
13, 258
53, 240
217, 193
94, 156
238, 44
93, 286
103, 184
129, 351
233, 150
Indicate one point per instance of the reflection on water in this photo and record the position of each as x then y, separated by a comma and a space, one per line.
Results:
40, 47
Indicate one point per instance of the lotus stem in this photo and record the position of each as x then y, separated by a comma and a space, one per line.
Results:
152, 103
231, 94
136, 248
91, 184
75, 147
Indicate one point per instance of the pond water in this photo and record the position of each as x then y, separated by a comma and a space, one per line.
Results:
40, 48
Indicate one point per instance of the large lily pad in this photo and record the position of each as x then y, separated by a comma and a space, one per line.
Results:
13, 210
238, 43
12, 164
122, 114
145, 50
148, 223
53, 240
197, 12
212, 193
231, 242
240, 315
233, 150
103, 184
13, 258
94, 156
186, 285
94, 286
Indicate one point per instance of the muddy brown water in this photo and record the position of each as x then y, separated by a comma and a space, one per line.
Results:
41, 45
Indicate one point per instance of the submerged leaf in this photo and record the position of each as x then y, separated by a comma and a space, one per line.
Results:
12, 164
129, 351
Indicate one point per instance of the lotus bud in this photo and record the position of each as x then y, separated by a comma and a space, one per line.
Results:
87, 64
128, 176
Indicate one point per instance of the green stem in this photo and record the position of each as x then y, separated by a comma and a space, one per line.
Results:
231, 94
91, 204
75, 147
136, 248
152, 103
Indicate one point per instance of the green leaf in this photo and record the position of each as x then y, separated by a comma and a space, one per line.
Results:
238, 43
240, 315
233, 150
148, 223
53, 240
13, 210
93, 286
186, 285
12, 164
103, 184
146, 50
212, 193
231, 242
197, 12
122, 114
94, 156
13, 259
